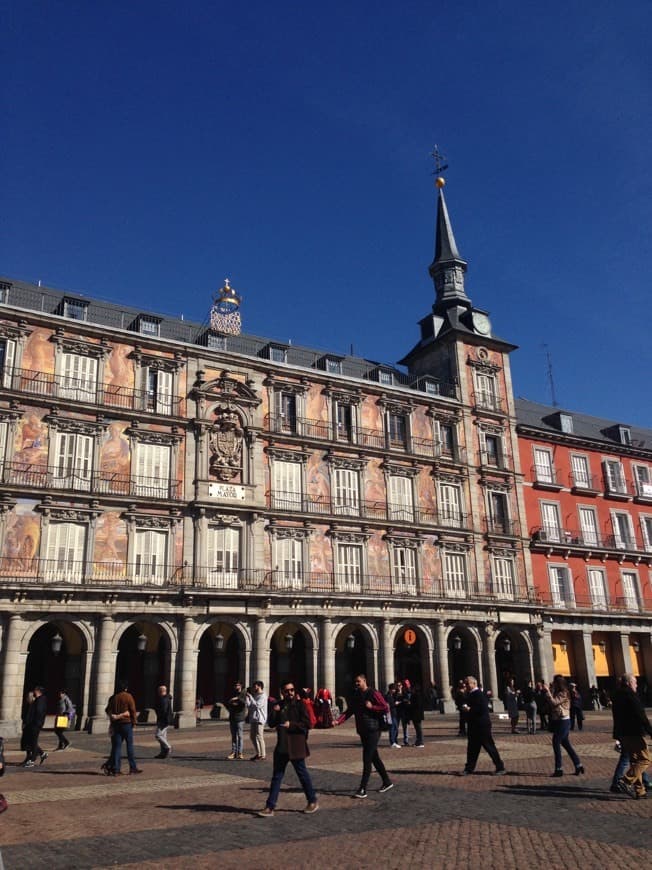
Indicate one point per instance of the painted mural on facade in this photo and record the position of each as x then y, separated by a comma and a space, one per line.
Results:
431, 564
38, 355
318, 478
115, 455
371, 414
316, 404
22, 536
321, 552
378, 558
31, 441
110, 540
374, 482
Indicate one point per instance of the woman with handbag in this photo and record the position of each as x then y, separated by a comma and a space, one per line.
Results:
62, 721
559, 699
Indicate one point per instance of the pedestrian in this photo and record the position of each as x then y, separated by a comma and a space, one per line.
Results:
459, 696
324, 709
595, 698
511, 699
631, 724
478, 728
290, 719
199, 706
530, 705
403, 708
306, 699
543, 709
65, 716
34, 721
621, 767
164, 718
237, 707
417, 716
392, 702
121, 710
368, 706
559, 701
257, 711
576, 712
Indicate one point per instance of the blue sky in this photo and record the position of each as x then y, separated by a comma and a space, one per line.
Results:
151, 149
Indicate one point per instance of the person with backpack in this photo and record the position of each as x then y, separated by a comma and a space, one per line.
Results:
290, 718
369, 708
164, 718
65, 710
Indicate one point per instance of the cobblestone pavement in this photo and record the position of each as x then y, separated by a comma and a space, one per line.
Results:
197, 809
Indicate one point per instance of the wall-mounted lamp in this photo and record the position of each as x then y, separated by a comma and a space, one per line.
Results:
289, 642
219, 642
56, 644
603, 646
636, 646
507, 644
350, 642
563, 645
141, 643
456, 643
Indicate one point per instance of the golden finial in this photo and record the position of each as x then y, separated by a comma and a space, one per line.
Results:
440, 182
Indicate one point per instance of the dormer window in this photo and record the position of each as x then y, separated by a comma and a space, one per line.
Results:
386, 378
4, 292
75, 309
215, 342
276, 353
566, 423
333, 366
149, 326
625, 435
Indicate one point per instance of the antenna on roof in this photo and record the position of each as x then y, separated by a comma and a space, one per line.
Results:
551, 380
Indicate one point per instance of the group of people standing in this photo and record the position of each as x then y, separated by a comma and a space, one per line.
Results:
35, 711
405, 706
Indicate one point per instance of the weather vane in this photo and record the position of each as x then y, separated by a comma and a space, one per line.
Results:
440, 165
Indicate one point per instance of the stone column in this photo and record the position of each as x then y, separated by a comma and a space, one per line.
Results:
104, 674
544, 654
388, 654
586, 667
261, 655
490, 664
187, 675
11, 678
441, 669
327, 655
621, 656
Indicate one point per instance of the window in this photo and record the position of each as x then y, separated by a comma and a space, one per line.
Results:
455, 574
401, 506
344, 422
580, 471
75, 309
79, 381
492, 450
152, 471
405, 571
486, 396
450, 505
286, 411
543, 467
159, 391
223, 557
3, 445
614, 477
347, 491
73, 461
278, 354
625, 435
289, 563
566, 423
646, 528
151, 556
643, 480
623, 531
66, 551
149, 326
4, 292
588, 526
499, 512
215, 342
447, 439
7, 356
503, 577
385, 378
287, 486
349, 567
561, 587
432, 388
631, 598
598, 588
333, 366
551, 526
397, 430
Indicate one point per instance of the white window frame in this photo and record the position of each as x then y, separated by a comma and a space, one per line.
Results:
562, 591
149, 326
288, 570
643, 480
4, 429
493, 460
550, 521
581, 470
7, 362
349, 557
66, 552
159, 386
450, 505
286, 410
589, 530
288, 485
620, 541
401, 498
455, 574
277, 354
631, 590
75, 309
404, 564
72, 461
615, 476
544, 468
223, 556
151, 556
333, 366
344, 421
646, 531
152, 476
492, 496
598, 588
346, 491
397, 423
486, 390
504, 577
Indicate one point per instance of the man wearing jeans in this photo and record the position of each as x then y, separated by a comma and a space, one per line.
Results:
630, 727
292, 725
164, 718
368, 706
122, 713
237, 707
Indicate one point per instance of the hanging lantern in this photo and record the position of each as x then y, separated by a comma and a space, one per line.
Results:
507, 644
456, 643
219, 642
350, 642
56, 644
289, 642
141, 643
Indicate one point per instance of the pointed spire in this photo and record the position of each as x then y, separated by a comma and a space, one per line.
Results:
448, 268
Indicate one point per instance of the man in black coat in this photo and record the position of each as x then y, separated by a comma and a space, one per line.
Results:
34, 721
630, 726
164, 718
478, 724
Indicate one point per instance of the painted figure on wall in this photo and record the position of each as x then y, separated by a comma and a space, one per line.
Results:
378, 558
119, 370
430, 563
374, 483
316, 408
421, 425
31, 445
22, 536
38, 355
321, 553
111, 539
114, 454
318, 480
371, 415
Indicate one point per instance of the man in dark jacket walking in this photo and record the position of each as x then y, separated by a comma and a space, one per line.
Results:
368, 706
164, 718
34, 721
630, 726
290, 718
478, 723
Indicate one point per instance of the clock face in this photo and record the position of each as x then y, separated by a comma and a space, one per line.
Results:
481, 323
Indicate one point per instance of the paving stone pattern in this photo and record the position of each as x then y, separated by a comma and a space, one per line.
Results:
197, 809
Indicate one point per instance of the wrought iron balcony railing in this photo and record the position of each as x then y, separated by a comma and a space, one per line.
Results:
584, 482
545, 475
98, 482
489, 402
89, 391
509, 528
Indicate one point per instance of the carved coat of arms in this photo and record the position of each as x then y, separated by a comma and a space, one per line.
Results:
225, 442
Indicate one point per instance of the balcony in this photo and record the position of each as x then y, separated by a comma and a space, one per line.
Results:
588, 484
80, 573
82, 390
621, 604
642, 491
615, 486
545, 477
508, 528
565, 538
487, 401
96, 482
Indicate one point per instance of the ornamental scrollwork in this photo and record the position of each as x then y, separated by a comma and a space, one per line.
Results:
225, 443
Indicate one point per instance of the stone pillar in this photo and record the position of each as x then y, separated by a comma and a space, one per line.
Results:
490, 666
388, 654
586, 666
621, 657
11, 678
104, 674
327, 654
441, 669
188, 675
545, 664
261, 655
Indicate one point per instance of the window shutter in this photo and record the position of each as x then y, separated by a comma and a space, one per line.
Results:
8, 363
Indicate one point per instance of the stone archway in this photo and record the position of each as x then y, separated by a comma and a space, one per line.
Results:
409, 652
462, 655
220, 663
56, 657
353, 655
143, 661
290, 658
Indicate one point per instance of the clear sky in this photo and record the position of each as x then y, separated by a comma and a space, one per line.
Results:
151, 149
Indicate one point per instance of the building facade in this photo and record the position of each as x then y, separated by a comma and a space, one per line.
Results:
187, 506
